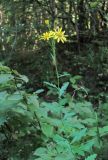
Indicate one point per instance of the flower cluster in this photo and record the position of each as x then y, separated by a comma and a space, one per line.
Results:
57, 34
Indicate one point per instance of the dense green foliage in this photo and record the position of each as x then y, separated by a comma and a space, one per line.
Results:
31, 128
59, 110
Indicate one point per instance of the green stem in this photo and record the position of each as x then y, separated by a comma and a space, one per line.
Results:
57, 74
98, 132
55, 62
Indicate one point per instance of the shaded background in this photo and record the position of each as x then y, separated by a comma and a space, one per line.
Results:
86, 52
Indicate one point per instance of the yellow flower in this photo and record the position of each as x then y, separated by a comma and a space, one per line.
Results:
60, 35
46, 36
57, 34
47, 22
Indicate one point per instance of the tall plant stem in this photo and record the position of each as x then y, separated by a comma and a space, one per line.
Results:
54, 60
57, 74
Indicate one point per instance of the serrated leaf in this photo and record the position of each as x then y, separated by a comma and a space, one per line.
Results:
50, 85
47, 129
65, 74
63, 88
91, 157
78, 135
61, 141
24, 78
103, 131
88, 145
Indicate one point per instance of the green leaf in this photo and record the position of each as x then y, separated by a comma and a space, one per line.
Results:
103, 131
4, 78
63, 88
15, 97
24, 78
65, 74
74, 79
51, 85
85, 109
39, 91
40, 151
47, 129
32, 99
78, 135
88, 145
6, 105
4, 68
91, 157
3, 95
77, 149
61, 141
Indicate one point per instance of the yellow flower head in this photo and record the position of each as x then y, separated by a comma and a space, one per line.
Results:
60, 35
46, 36
57, 34
47, 22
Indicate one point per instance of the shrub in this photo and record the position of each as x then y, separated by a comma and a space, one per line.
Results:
33, 129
